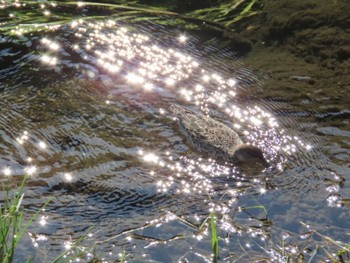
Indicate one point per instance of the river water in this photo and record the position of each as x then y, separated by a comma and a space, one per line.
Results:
84, 112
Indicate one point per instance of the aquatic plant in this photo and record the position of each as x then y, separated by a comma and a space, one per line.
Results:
227, 13
42, 19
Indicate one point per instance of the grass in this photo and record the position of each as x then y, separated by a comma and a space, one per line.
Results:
214, 238
123, 257
12, 226
307, 250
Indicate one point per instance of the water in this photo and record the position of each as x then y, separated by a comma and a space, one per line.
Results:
84, 111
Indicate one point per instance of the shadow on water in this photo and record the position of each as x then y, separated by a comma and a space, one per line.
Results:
84, 111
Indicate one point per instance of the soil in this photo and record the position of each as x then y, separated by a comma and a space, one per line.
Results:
304, 47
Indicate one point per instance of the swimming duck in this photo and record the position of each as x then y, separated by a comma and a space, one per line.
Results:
215, 139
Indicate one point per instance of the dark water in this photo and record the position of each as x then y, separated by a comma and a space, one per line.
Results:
84, 111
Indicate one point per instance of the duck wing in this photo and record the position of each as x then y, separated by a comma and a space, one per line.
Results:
206, 134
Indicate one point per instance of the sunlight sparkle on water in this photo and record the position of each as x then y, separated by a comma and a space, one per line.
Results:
334, 200
134, 78
50, 44
67, 244
159, 66
43, 220
30, 170
146, 65
262, 190
182, 38
47, 12
148, 86
37, 237
7, 171
151, 157
42, 145
68, 177
49, 60
22, 138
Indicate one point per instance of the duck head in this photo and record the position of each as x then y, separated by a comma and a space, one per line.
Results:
249, 154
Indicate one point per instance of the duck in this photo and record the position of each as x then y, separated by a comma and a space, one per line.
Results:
215, 139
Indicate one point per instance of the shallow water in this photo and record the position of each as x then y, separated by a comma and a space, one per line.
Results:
84, 111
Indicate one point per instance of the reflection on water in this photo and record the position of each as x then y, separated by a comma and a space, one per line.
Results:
85, 114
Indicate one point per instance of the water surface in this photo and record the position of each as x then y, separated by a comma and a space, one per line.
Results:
84, 111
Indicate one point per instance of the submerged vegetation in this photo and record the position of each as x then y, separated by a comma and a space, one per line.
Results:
221, 16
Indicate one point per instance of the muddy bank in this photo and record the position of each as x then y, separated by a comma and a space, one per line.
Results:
317, 31
303, 48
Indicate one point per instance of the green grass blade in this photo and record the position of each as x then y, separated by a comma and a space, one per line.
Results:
123, 257
214, 238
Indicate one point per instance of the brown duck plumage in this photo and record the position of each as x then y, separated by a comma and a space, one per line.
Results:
214, 138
